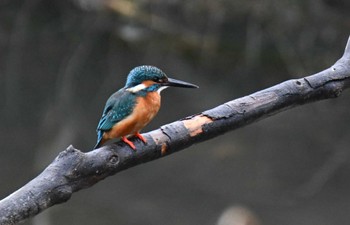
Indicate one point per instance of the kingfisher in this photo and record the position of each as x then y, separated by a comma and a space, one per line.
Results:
132, 107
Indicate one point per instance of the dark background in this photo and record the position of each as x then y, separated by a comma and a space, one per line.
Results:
60, 61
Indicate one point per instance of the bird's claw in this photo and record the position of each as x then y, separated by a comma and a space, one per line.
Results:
142, 138
127, 141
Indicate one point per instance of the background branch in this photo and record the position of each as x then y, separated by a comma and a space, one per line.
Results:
74, 170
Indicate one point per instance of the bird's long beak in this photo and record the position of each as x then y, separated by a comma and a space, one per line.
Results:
178, 83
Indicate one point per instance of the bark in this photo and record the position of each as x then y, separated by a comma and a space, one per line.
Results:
73, 170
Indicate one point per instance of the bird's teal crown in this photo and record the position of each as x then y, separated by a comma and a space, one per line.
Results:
143, 73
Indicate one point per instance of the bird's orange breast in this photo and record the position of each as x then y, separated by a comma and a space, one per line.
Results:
145, 110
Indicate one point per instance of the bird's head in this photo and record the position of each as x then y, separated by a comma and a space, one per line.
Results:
149, 78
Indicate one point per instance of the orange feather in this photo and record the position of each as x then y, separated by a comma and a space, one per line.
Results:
145, 110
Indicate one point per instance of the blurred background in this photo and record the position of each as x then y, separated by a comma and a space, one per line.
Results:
60, 61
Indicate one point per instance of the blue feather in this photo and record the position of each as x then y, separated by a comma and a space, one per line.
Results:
142, 73
118, 106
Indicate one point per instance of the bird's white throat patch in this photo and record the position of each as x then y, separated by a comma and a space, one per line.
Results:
161, 89
137, 88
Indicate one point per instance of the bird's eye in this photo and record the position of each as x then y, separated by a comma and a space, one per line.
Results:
156, 79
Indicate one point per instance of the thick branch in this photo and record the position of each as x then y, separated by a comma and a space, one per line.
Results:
73, 170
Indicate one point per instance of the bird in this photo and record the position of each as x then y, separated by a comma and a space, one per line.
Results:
132, 107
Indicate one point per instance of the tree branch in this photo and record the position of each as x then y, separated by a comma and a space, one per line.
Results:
74, 170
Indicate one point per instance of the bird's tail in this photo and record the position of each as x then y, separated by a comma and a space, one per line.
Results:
98, 144
100, 139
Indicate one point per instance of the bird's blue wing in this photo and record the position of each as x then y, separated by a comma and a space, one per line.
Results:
118, 106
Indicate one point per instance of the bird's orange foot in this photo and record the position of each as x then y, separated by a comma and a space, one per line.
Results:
142, 138
127, 141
